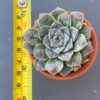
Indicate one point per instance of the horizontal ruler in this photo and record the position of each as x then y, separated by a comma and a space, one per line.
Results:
22, 81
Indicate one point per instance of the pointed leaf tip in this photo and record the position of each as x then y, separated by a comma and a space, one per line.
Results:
39, 53
54, 66
65, 71
66, 56
86, 30
43, 31
87, 50
50, 53
80, 43
39, 65
77, 19
29, 47
56, 12
64, 19
75, 60
46, 19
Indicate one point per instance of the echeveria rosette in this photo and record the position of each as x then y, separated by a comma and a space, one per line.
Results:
60, 42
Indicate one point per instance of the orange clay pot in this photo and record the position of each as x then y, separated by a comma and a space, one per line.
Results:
85, 67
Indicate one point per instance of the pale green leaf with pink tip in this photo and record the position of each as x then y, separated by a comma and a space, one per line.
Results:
66, 56
74, 33
39, 65
31, 36
50, 53
64, 19
56, 25
75, 61
80, 43
39, 53
46, 19
87, 50
54, 66
77, 19
68, 46
66, 70
29, 47
43, 31
86, 30
56, 12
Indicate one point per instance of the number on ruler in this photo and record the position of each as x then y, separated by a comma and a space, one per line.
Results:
24, 98
18, 85
19, 50
18, 38
18, 16
19, 61
23, 67
18, 73
18, 27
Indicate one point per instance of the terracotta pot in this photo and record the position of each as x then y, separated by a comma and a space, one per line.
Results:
85, 67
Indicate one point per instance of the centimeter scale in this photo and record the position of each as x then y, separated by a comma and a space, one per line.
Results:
22, 82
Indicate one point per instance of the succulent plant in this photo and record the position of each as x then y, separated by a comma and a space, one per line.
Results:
60, 42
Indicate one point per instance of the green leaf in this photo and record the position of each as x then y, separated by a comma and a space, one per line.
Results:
29, 47
50, 53
57, 41
34, 41
65, 30
68, 46
31, 36
64, 19
35, 33
54, 66
77, 19
39, 65
39, 53
59, 33
30, 33
52, 33
75, 60
56, 25
74, 33
80, 43
46, 42
65, 71
56, 12
58, 50
87, 50
86, 30
46, 19
63, 36
43, 31
66, 56
66, 39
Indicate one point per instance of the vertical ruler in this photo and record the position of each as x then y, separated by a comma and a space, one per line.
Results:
22, 81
